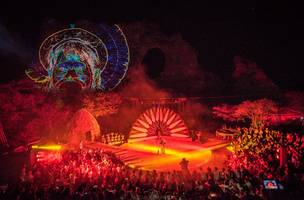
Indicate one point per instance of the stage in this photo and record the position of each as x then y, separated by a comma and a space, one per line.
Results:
146, 153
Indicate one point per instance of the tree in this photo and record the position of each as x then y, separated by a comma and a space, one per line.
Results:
27, 113
256, 111
18, 107
50, 120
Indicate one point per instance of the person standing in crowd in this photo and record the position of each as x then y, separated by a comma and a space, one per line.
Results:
184, 165
81, 145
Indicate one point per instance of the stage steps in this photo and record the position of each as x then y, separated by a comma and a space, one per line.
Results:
127, 156
139, 157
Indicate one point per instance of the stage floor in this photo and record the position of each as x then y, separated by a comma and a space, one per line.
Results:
144, 153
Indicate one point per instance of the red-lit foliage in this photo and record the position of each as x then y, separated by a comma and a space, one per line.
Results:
256, 111
50, 120
18, 107
28, 114
260, 148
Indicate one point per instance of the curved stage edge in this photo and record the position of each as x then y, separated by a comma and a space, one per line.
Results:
145, 153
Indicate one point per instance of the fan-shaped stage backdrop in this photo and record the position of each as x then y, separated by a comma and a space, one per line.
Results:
159, 121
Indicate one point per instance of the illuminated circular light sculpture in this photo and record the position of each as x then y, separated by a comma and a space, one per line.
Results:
78, 57
159, 121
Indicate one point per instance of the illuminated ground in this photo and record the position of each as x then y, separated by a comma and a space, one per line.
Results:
143, 153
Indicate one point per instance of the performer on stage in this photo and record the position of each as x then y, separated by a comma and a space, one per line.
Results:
158, 131
162, 146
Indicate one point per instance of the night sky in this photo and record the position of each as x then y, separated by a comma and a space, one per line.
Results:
269, 34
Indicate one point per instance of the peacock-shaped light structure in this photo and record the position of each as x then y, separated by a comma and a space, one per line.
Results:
159, 121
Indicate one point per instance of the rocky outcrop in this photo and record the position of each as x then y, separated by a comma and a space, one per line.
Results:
82, 123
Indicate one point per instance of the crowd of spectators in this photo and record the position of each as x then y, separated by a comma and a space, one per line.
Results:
262, 146
275, 154
100, 175
95, 174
